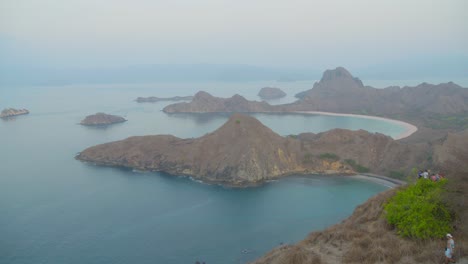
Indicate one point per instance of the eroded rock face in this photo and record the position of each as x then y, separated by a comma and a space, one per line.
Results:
269, 93
101, 119
203, 102
245, 152
10, 112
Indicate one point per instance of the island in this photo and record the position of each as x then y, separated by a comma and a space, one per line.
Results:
434, 109
10, 112
204, 102
102, 119
270, 93
153, 99
244, 152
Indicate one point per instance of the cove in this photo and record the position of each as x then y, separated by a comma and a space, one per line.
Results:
54, 209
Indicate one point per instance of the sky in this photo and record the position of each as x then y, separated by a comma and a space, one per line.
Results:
290, 33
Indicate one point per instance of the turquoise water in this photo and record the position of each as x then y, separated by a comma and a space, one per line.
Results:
54, 209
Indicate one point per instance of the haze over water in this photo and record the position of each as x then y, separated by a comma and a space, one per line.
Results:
54, 209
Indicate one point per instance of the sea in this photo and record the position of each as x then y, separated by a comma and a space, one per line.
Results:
55, 209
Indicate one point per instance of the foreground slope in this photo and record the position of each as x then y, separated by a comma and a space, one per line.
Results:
366, 237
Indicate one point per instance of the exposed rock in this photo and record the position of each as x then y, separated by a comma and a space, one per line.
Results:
9, 112
101, 119
153, 99
269, 93
203, 102
245, 152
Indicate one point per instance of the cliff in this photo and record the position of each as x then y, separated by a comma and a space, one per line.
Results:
245, 152
10, 112
269, 93
153, 99
203, 102
101, 119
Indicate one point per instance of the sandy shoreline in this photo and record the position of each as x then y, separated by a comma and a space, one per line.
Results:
409, 128
387, 181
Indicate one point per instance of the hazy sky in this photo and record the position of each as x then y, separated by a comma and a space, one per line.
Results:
258, 32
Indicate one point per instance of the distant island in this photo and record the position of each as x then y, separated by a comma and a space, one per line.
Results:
153, 99
204, 102
10, 112
434, 109
102, 119
244, 152
269, 93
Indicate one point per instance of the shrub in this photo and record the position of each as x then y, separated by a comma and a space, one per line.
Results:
357, 167
329, 156
418, 210
237, 121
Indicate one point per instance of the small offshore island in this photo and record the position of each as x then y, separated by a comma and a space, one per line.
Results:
154, 99
270, 93
10, 112
101, 119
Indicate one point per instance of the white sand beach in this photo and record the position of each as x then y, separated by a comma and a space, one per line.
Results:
409, 128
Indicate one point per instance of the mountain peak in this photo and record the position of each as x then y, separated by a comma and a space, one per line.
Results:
337, 73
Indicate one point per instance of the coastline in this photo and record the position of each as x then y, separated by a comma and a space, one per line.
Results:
409, 128
379, 179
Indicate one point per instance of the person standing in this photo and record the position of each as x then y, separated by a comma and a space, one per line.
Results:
450, 249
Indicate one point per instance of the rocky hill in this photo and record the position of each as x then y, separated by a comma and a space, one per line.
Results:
269, 93
339, 91
10, 112
245, 152
101, 119
203, 102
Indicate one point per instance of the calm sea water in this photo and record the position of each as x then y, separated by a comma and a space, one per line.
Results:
54, 209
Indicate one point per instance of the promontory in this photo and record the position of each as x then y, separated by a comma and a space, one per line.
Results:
244, 152
10, 112
102, 119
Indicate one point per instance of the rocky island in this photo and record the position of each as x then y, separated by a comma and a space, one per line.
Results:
153, 99
270, 93
203, 102
102, 119
10, 112
244, 152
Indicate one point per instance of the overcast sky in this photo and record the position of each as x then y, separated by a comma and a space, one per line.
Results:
257, 32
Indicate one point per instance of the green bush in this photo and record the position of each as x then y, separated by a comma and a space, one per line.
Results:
329, 156
418, 211
357, 167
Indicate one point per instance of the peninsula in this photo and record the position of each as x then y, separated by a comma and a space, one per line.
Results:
270, 93
153, 99
10, 112
244, 152
102, 119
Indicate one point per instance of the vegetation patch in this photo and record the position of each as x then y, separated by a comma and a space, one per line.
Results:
397, 175
418, 211
357, 167
237, 121
329, 156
